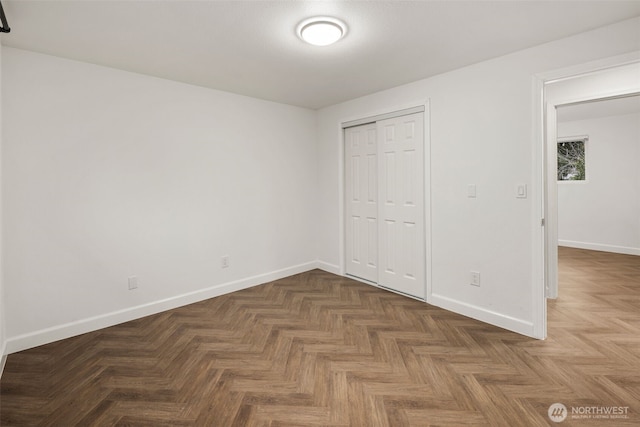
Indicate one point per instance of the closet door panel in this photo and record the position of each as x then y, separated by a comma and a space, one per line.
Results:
401, 207
361, 201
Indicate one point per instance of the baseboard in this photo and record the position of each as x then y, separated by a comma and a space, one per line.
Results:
506, 322
68, 330
510, 323
329, 268
600, 247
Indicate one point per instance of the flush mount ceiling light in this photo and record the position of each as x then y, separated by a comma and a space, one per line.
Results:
321, 30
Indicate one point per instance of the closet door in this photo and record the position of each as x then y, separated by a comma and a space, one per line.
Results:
361, 228
401, 208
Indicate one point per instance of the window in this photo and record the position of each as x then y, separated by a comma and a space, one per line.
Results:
572, 159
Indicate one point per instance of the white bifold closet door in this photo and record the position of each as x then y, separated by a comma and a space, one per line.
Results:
385, 230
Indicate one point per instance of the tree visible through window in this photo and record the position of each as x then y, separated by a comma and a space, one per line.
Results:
571, 160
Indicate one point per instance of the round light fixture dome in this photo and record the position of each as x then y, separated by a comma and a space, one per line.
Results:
321, 30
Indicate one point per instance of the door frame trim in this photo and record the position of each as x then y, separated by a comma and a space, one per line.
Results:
544, 213
380, 117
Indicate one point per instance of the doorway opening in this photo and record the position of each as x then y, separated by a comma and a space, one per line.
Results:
619, 79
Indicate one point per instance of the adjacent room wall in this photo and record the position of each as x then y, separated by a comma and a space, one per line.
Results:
603, 212
481, 133
109, 174
3, 336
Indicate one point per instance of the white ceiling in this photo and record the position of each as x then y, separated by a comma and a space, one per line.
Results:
598, 109
251, 48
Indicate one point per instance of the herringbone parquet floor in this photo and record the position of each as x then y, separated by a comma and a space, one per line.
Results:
320, 350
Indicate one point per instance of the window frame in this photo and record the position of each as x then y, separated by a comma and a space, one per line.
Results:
576, 138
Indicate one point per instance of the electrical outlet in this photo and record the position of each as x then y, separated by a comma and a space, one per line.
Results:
133, 282
475, 278
224, 261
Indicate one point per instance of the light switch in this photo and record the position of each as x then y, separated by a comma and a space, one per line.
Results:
521, 191
471, 191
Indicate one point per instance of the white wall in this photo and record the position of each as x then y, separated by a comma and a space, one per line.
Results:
481, 133
108, 174
3, 339
603, 212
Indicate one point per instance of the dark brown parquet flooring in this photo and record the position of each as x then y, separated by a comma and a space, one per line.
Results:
316, 349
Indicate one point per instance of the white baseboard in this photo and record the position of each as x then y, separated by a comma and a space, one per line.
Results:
500, 320
510, 323
68, 330
329, 268
600, 247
